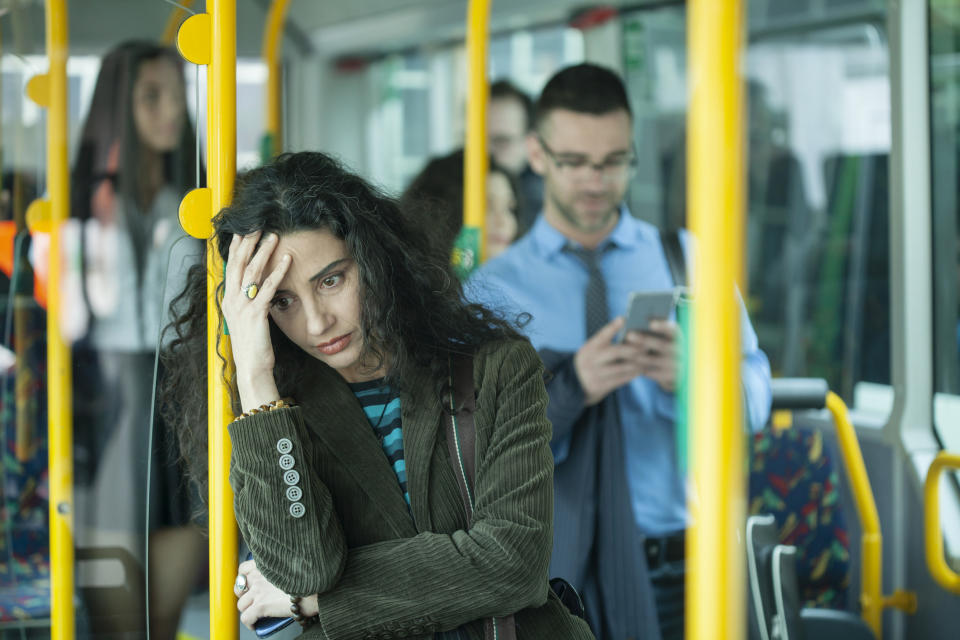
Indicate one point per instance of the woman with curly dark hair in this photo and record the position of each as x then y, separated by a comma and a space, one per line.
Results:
344, 323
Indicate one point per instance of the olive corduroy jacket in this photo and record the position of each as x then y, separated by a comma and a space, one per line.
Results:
381, 570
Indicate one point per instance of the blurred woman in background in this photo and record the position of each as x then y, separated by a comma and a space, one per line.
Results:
136, 160
437, 195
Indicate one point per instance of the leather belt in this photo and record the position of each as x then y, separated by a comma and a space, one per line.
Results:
669, 548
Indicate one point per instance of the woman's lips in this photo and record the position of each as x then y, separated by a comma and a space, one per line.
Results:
334, 346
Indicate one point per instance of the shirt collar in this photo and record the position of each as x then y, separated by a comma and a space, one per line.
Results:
626, 234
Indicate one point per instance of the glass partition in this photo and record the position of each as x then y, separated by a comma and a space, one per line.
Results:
24, 519
817, 274
945, 178
132, 155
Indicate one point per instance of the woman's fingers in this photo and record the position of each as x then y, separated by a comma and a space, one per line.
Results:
244, 601
268, 288
253, 274
239, 257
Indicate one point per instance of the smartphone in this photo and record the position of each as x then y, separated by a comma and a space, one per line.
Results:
265, 627
646, 306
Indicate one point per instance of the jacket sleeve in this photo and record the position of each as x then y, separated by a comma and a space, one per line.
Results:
300, 555
439, 581
566, 399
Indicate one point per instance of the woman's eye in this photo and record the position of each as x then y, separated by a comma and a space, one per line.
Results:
281, 304
331, 281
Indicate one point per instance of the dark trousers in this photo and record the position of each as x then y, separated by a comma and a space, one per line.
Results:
665, 557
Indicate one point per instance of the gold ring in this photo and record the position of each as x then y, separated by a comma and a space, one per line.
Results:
251, 290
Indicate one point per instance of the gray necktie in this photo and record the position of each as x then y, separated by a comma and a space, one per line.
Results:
619, 552
596, 298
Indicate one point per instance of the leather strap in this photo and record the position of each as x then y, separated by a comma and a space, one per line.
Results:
462, 445
673, 250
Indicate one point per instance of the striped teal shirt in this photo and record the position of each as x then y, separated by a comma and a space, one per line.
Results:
382, 408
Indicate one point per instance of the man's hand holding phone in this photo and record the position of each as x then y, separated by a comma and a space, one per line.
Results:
603, 365
643, 344
658, 353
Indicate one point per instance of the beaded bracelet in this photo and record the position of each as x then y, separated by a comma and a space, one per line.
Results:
270, 406
298, 614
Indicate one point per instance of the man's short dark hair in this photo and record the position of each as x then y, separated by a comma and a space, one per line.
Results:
506, 90
583, 88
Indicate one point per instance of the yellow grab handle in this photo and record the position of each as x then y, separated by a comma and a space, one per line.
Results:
939, 569
272, 39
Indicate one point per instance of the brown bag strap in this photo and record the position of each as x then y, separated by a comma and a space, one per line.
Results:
462, 445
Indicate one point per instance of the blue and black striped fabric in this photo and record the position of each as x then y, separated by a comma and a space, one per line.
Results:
382, 408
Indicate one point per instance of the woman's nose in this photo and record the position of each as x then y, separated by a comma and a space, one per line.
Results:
318, 320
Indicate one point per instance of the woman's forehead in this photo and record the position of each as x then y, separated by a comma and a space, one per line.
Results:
310, 249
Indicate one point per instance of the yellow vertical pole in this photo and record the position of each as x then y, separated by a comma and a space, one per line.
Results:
50, 90
222, 150
272, 39
476, 160
211, 38
715, 582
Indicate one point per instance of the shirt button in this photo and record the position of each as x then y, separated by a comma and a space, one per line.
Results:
286, 461
284, 445
291, 477
297, 510
294, 494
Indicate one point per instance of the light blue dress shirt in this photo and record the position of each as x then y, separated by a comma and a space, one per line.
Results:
536, 276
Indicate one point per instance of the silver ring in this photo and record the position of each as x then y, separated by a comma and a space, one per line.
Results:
241, 583
251, 290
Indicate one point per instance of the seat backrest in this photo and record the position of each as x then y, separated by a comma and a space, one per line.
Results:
794, 479
24, 514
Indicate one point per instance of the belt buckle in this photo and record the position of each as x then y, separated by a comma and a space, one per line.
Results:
654, 549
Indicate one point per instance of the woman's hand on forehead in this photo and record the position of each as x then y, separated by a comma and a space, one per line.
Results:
247, 293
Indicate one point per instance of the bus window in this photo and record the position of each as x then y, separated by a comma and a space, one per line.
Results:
420, 95
945, 175
251, 87
817, 281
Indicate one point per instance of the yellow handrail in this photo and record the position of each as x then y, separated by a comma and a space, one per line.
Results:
871, 543
715, 581
177, 16
939, 569
272, 39
50, 91
475, 157
211, 38
872, 601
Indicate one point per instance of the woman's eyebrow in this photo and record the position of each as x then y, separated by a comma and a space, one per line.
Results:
333, 265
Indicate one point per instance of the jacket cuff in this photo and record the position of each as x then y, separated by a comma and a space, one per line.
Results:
262, 431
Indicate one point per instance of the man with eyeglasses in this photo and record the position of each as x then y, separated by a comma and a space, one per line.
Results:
620, 500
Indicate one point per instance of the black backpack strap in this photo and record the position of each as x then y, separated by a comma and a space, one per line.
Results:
673, 250
462, 445
461, 431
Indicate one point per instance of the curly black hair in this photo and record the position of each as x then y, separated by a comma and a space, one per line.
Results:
413, 309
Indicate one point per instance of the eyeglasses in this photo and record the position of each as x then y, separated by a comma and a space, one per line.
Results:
579, 166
